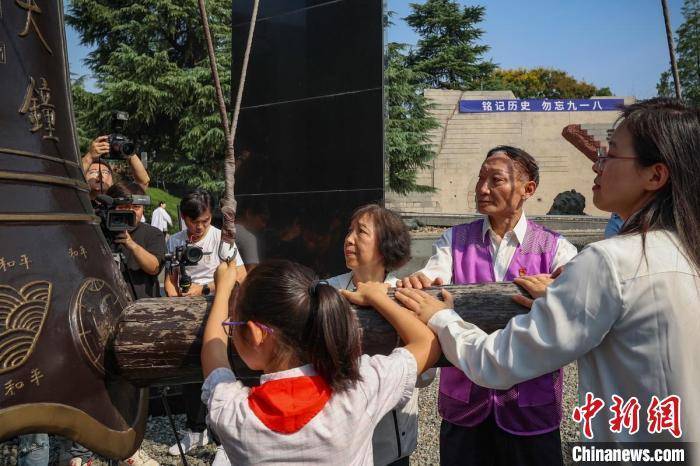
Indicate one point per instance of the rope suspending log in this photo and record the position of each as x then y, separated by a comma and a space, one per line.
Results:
228, 202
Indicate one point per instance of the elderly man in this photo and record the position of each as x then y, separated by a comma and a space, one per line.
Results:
498, 427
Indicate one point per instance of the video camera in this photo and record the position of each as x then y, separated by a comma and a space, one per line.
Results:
115, 221
120, 147
187, 254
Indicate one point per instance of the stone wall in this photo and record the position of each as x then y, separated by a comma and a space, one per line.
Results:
464, 138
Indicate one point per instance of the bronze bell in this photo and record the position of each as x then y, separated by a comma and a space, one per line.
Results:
60, 291
75, 352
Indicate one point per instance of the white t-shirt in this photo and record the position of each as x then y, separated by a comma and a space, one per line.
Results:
203, 272
340, 434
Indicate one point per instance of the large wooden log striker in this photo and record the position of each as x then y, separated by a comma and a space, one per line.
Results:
158, 340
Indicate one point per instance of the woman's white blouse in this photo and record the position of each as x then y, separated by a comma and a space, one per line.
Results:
632, 322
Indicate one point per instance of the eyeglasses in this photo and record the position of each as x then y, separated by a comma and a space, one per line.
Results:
229, 325
600, 160
95, 172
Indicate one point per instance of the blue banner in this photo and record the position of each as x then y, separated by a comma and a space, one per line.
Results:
540, 105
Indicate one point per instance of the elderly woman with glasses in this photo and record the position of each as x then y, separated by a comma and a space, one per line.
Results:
376, 244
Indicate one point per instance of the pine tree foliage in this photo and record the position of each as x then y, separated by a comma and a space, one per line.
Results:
448, 53
665, 88
687, 55
83, 100
688, 48
408, 123
150, 60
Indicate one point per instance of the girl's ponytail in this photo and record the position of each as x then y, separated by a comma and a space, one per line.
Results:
312, 322
333, 337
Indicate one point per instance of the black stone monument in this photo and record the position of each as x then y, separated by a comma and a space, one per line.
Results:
309, 143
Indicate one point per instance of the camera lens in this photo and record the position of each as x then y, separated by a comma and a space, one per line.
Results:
193, 254
128, 148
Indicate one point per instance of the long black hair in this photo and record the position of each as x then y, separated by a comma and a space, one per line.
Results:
667, 131
310, 319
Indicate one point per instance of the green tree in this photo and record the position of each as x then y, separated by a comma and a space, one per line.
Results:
448, 54
408, 123
543, 83
688, 48
664, 88
150, 60
83, 100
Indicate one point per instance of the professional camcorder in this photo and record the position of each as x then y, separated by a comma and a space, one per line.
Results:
120, 147
187, 254
115, 221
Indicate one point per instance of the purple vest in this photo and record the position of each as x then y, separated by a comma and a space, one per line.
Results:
529, 408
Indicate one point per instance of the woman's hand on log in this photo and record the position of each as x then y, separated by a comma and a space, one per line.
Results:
418, 281
367, 293
225, 276
423, 304
536, 285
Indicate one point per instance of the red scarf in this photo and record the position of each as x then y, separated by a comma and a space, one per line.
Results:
287, 405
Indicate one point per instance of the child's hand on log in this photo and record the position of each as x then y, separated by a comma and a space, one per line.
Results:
423, 304
367, 293
225, 277
536, 285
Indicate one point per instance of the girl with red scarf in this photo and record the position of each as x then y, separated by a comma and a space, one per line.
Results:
319, 399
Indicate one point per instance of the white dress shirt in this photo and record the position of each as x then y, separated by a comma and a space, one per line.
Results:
630, 319
340, 434
161, 219
502, 251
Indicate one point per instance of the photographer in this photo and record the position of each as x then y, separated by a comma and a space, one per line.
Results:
143, 248
99, 174
196, 210
116, 146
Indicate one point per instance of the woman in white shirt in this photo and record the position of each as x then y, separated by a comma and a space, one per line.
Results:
377, 243
625, 308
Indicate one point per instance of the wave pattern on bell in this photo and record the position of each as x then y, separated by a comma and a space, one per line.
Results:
22, 316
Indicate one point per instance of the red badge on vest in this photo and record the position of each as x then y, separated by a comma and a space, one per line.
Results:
287, 405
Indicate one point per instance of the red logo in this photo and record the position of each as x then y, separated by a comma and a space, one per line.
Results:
665, 415
625, 415
587, 412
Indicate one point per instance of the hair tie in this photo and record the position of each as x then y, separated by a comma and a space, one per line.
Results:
313, 287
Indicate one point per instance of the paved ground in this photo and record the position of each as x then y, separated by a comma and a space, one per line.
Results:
159, 435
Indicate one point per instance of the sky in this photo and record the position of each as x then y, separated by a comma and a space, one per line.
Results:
619, 44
